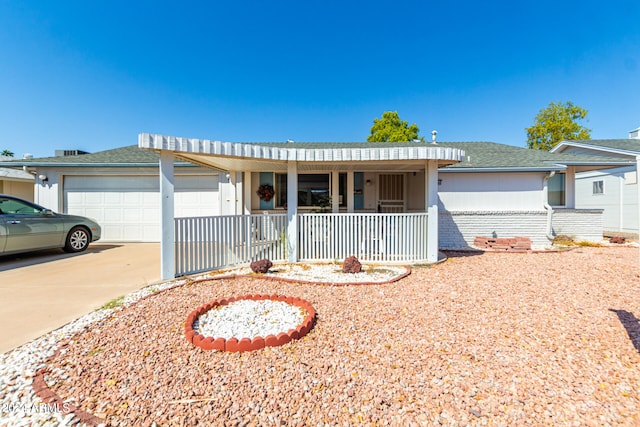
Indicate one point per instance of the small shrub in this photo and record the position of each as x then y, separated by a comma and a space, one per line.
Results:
262, 266
563, 240
117, 302
584, 243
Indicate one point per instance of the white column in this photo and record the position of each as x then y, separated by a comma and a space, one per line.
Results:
570, 188
246, 183
350, 184
335, 192
292, 211
227, 188
431, 206
238, 193
167, 226
638, 186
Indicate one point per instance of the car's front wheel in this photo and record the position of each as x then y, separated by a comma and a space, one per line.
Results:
77, 240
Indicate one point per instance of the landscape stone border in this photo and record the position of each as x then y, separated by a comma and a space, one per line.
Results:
238, 344
309, 282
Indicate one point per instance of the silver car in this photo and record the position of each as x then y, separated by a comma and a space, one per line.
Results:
25, 226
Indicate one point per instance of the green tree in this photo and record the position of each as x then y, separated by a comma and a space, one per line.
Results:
556, 123
390, 128
6, 153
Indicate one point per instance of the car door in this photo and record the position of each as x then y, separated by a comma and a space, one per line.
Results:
3, 233
30, 227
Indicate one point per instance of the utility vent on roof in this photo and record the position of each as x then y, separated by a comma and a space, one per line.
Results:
64, 153
634, 134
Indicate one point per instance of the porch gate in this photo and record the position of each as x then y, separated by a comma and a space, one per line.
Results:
214, 242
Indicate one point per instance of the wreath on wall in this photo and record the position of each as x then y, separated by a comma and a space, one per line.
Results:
265, 192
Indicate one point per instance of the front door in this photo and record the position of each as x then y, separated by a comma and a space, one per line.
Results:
391, 193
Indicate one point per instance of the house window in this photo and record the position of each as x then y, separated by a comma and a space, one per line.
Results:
598, 187
556, 190
313, 190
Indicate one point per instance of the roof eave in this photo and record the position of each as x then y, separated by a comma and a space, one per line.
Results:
564, 144
505, 169
234, 150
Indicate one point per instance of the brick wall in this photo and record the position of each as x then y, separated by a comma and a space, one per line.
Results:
581, 224
458, 229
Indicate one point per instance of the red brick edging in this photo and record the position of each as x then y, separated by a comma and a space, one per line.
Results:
244, 343
42, 390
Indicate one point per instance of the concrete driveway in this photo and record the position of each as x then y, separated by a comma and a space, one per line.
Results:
42, 291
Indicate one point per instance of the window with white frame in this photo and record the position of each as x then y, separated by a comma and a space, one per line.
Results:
556, 189
314, 190
598, 187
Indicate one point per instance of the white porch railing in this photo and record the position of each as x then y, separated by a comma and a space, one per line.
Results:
207, 243
399, 237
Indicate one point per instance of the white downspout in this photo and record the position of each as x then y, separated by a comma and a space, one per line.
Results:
547, 206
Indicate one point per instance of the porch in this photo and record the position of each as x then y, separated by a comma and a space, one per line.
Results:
372, 178
215, 242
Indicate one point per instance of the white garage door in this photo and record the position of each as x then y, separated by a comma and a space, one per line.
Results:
128, 207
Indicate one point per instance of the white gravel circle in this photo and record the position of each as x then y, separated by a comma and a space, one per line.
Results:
249, 319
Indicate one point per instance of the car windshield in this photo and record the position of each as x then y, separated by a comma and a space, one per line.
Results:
13, 206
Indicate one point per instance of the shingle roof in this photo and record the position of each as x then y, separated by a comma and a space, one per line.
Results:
129, 155
491, 155
478, 155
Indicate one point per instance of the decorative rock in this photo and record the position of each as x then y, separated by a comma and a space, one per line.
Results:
351, 265
618, 239
262, 266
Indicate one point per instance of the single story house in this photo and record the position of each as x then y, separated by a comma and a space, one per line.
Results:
456, 190
614, 190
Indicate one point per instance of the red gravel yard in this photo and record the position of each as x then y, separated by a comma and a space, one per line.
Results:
493, 339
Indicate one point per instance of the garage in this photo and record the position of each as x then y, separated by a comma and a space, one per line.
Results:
128, 206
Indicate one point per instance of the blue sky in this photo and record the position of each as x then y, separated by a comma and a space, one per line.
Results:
92, 75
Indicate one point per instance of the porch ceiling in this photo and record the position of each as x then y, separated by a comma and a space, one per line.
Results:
325, 157
259, 165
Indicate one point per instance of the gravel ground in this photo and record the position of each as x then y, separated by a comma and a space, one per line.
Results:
493, 339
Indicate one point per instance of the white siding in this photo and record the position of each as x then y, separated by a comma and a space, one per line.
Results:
461, 191
619, 200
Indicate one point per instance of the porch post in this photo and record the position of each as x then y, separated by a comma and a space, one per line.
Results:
431, 207
228, 193
246, 181
335, 192
350, 185
292, 211
239, 193
638, 185
167, 226
570, 188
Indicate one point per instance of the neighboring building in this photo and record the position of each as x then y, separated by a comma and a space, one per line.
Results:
614, 190
16, 182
